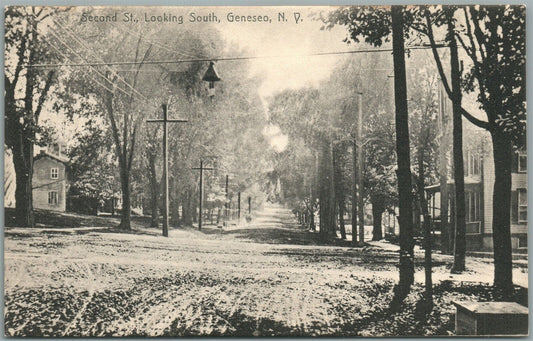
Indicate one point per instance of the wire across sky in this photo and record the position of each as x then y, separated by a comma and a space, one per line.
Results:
192, 60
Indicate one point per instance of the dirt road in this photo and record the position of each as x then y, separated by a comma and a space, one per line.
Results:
268, 277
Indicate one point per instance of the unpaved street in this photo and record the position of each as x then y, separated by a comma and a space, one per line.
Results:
268, 277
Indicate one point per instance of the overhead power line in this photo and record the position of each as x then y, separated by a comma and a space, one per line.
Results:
192, 60
80, 42
183, 53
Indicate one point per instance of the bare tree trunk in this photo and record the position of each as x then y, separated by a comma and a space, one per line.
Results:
446, 246
327, 193
186, 216
23, 162
175, 212
154, 191
405, 218
194, 207
339, 191
501, 219
378, 208
312, 224
21, 122
458, 165
425, 305
23, 151
125, 218
341, 217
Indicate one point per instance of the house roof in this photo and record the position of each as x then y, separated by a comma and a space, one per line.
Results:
468, 181
58, 158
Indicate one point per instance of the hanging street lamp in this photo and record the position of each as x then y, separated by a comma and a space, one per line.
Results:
211, 76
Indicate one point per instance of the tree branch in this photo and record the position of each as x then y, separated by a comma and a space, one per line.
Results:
468, 50
132, 148
466, 114
470, 35
20, 62
114, 128
474, 120
438, 61
479, 33
44, 93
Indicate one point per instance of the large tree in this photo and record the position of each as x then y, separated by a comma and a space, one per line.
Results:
26, 91
375, 25
92, 168
118, 92
403, 158
493, 39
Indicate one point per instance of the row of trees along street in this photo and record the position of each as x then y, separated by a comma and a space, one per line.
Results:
474, 50
115, 150
405, 142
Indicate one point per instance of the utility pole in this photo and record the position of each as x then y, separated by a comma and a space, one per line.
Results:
201, 190
249, 205
354, 194
360, 197
226, 212
165, 122
239, 206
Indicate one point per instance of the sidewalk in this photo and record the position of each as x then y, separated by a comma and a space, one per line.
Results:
478, 269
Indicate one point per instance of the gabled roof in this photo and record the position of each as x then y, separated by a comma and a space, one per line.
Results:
51, 156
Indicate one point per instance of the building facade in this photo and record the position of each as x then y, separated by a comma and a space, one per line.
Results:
50, 182
479, 189
518, 202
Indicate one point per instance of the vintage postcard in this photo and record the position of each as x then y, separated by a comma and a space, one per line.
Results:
338, 171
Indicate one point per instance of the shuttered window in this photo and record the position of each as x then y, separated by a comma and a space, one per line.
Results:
522, 162
522, 205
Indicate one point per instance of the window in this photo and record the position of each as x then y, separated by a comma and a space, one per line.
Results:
473, 206
52, 198
522, 242
54, 173
473, 164
473, 212
522, 205
522, 162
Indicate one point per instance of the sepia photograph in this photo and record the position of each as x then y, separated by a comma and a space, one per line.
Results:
265, 171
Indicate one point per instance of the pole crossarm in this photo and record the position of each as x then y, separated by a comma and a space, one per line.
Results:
168, 121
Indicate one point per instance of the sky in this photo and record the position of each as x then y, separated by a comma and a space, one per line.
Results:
288, 45
284, 44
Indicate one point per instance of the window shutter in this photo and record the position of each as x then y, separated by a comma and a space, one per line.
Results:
514, 164
514, 207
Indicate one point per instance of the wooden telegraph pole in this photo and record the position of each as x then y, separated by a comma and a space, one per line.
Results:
226, 211
165, 120
201, 190
360, 197
239, 206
